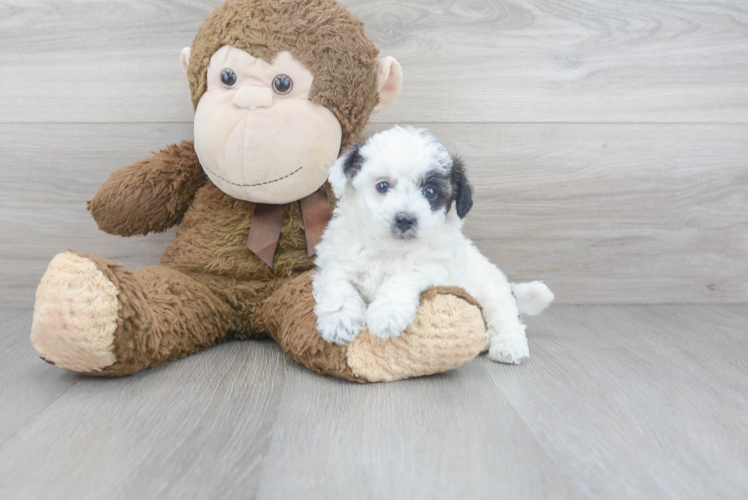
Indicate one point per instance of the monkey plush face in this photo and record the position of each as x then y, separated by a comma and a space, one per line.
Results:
257, 134
280, 87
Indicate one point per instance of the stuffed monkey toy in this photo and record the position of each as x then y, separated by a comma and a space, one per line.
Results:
280, 88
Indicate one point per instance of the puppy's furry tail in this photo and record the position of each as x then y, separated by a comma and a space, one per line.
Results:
532, 297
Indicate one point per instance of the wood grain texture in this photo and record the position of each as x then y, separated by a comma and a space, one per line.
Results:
464, 60
614, 213
650, 401
616, 402
191, 429
25, 390
49, 172
448, 436
602, 213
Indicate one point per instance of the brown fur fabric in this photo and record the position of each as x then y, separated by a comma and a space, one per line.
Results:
213, 239
322, 34
208, 284
289, 315
150, 195
162, 315
209, 288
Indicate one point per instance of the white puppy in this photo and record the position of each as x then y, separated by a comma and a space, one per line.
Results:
397, 230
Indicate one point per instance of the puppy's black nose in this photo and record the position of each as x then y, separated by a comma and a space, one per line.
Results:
405, 221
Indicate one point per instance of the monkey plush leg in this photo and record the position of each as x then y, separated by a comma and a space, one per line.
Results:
93, 317
448, 331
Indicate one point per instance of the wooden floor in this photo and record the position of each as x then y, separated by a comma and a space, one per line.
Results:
616, 402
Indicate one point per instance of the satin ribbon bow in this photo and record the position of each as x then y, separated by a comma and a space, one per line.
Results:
267, 220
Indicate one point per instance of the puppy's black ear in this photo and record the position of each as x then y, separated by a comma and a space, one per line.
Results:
345, 169
462, 191
353, 160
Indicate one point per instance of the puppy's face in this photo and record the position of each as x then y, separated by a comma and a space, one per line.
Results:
403, 183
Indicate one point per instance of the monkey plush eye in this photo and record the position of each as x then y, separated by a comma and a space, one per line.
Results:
282, 84
383, 187
228, 78
429, 193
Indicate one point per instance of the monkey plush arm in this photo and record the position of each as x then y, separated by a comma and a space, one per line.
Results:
150, 195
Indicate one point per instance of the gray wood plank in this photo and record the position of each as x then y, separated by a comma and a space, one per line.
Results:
722, 345
616, 402
464, 60
621, 396
8, 315
44, 191
193, 428
27, 388
603, 213
442, 437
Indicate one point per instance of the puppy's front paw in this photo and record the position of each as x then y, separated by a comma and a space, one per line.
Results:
342, 324
388, 318
510, 349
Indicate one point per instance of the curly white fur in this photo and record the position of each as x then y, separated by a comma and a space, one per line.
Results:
382, 249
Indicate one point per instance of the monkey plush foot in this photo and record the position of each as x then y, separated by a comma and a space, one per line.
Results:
94, 317
75, 315
448, 331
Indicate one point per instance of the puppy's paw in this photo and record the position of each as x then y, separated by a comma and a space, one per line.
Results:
343, 324
510, 349
388, 318
339, 328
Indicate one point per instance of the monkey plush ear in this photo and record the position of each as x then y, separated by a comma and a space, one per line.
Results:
184, 59
389, 82
461, 188
345, 169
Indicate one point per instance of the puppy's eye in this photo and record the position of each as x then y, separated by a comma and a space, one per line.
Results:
383, 187
282, 84
228, 78
429, 193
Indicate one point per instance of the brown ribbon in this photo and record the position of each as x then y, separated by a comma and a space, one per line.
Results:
267, 220
316, 213
265, 231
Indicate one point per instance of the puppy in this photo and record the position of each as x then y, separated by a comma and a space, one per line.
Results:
397, 230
